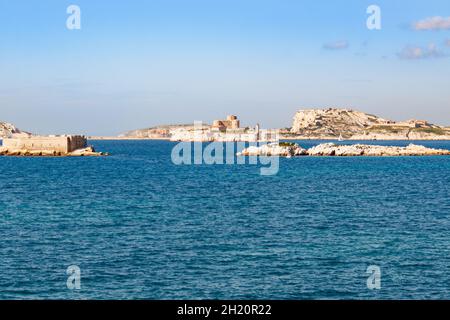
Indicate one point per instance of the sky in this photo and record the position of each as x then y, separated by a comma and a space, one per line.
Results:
135, 64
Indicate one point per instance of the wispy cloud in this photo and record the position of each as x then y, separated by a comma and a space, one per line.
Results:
433, 23
336, 45
447, 42
416, 52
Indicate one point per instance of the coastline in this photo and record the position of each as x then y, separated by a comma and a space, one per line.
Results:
112, 138
281, 139
124, 138
359, 139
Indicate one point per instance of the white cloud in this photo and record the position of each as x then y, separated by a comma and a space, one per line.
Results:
433, 23
336, 45
415, 52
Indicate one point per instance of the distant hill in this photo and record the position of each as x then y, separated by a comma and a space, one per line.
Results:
330, 123
333, 122
357, 125
158, 132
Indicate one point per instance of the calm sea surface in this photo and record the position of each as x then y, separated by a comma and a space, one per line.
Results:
140, 227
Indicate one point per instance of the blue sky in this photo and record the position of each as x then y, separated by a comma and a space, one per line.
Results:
136, 64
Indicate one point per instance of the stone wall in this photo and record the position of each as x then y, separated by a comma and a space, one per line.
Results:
62, 144
76, 143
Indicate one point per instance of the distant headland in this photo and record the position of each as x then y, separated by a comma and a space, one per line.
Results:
356, 125
313, 124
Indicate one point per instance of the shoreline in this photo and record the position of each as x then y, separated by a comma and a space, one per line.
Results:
289, 150
100, 138
106, 138
359, 139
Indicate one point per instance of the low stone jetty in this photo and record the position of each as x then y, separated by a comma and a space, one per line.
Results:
85, 152
331, 149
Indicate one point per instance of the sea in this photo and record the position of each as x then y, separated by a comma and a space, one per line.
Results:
134, 225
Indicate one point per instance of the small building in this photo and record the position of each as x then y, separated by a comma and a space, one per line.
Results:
231, 122
63, 144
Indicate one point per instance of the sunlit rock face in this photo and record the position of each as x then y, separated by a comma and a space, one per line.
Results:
7, 129
333, 122
351, 124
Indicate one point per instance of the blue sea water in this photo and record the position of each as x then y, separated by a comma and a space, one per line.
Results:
140, 227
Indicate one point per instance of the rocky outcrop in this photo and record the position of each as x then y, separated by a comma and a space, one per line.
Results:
85, 152
333, 122
331, 149
282, 149
7, 130
355, 125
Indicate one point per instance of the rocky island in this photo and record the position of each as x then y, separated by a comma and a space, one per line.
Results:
286, 149
222, 130
313, 124
333, 123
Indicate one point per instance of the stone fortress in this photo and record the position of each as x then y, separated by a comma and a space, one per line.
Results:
231, 122
64, 145
228, 130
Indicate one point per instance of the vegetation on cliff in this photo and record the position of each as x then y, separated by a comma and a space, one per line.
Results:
351, 124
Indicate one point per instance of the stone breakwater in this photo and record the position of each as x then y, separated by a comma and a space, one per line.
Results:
331, 149
85, 152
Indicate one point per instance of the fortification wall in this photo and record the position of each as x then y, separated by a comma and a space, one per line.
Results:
62, 144
76, 143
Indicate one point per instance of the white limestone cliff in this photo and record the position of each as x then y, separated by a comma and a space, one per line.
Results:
355, 125
8, 130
